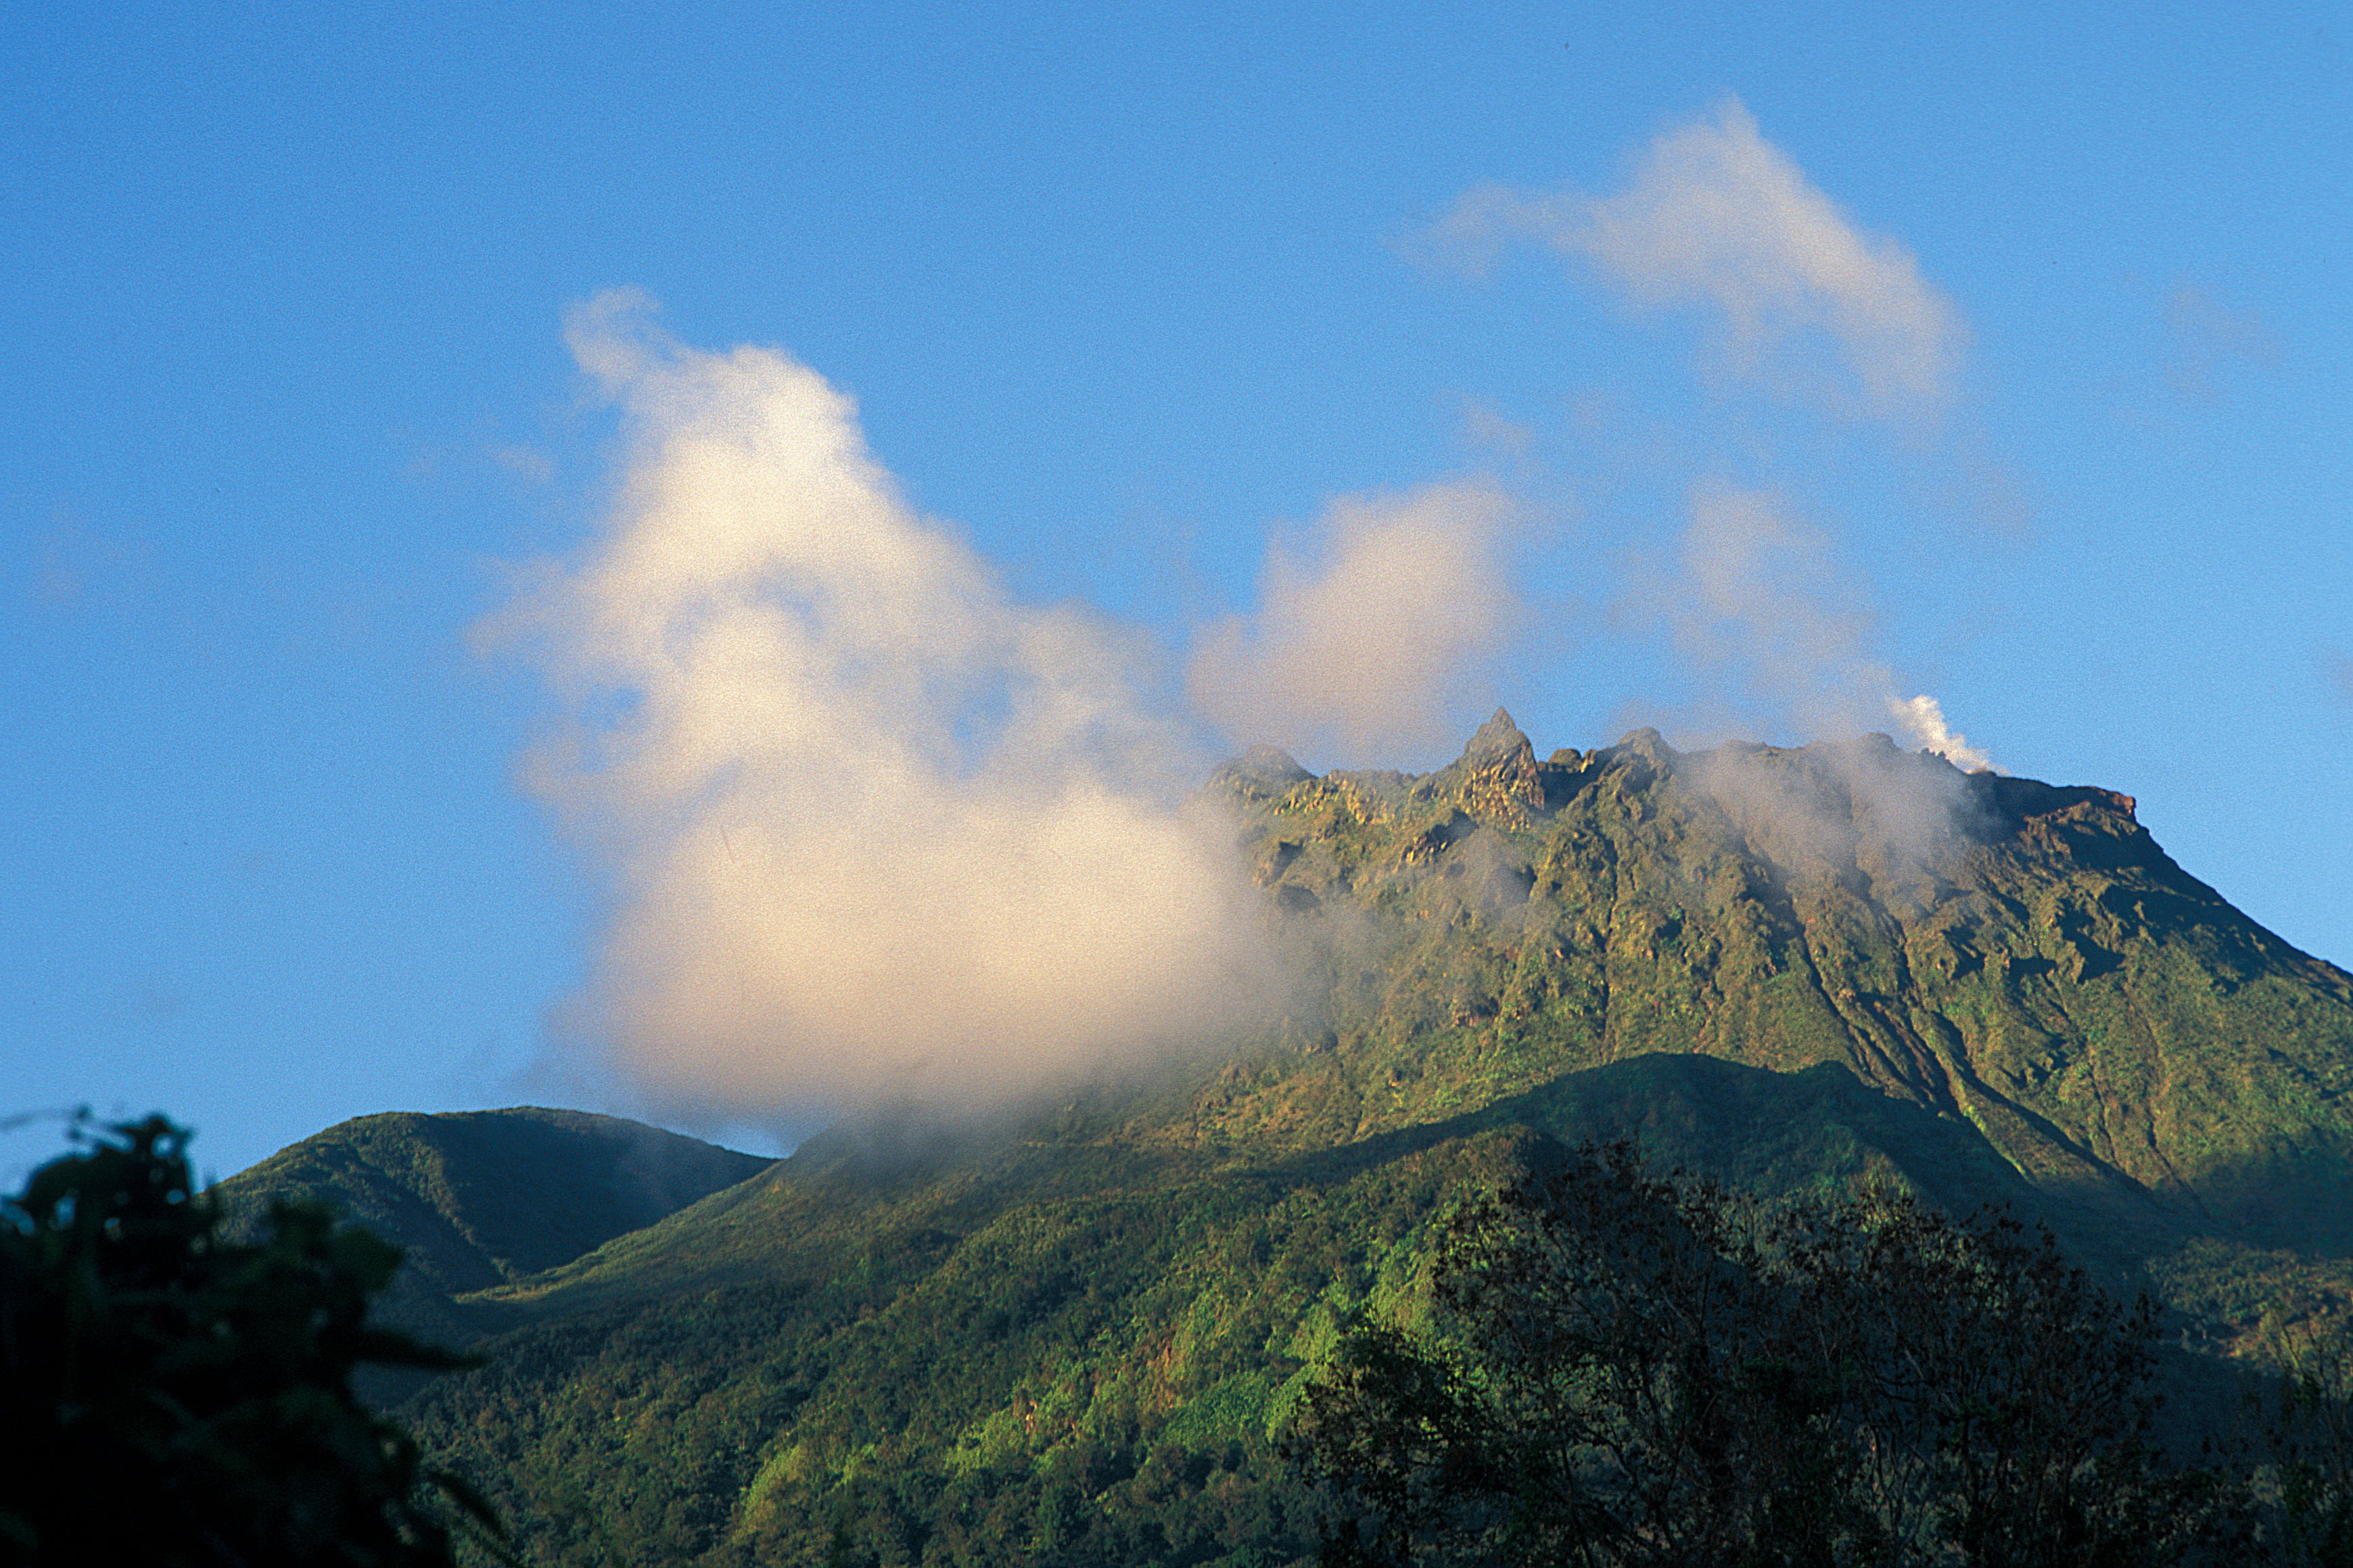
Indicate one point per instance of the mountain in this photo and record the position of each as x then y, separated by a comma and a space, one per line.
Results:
2022, 957
1799, 969
481, 1198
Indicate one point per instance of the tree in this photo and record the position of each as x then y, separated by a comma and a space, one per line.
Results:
1626, 1368
169, 1396
2306, 1422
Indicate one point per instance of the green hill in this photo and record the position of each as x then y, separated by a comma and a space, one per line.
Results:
1070, 1311
1800, 970
481, 1198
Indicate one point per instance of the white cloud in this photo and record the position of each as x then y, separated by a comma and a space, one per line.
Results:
1717, 216
1805, 305
1757, 601
874, 830
1364, 647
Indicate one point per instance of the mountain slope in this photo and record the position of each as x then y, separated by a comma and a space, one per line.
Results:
2023, 956
1797, 969
1087, 1314
480, 1198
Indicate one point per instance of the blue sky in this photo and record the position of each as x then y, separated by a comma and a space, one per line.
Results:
1141, 306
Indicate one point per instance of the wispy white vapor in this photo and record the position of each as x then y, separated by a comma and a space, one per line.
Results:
1756, 601
1717, 215
2340, 674
1922, 718
1360, 647
874, 830
2206, 337
1759, 601
1808, 307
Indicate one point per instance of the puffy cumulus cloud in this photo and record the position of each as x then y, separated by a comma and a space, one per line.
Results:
875, 832
1362, 647
1717, 216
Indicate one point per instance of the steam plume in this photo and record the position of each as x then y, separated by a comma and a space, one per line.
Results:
1359, 648
1922, 718
874, 831
1806, 306
1760, 599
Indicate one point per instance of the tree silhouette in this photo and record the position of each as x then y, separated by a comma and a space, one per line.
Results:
169, 1396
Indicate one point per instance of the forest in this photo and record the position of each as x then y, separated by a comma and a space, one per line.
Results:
1609, 1365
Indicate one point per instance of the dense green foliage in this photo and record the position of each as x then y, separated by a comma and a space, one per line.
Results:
169, 1396
1624, 1369
2306, 1424
2020, 957
1807, 974
827, 1355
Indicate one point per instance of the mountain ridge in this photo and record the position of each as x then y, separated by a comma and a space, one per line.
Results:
479, 1199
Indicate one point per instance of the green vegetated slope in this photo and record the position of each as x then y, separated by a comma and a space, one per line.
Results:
2021, 956
481, 1198
1074, 1346
1800, 970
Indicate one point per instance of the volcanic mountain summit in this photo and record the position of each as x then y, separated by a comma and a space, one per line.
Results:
2019, 955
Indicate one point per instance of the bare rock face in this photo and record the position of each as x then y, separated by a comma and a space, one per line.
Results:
1496, 776
1498, 742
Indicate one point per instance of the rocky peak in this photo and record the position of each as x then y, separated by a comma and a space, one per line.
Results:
1498, 740
1496, 773
1649, 746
